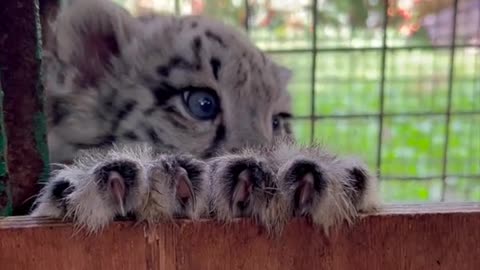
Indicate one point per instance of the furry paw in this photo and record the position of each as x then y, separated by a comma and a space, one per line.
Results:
93, 196
246, 186
326, 189
360, 185
315, 191
101, 186
177, 188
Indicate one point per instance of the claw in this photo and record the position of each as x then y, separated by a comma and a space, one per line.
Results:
184, 187
305, 193
117, 188
243, 189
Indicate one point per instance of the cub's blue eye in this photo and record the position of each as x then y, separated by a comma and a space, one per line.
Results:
275, 122
203, 105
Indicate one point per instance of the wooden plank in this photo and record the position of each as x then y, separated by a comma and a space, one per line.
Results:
58, 247
20, 65
443, 236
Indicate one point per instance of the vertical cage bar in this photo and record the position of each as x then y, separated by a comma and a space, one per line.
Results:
5, 190
314, 68
177, 7
381, 114
20, 65
448, 112
246, 23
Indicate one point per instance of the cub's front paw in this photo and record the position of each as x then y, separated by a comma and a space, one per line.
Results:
53, 199
121, 184
360, 185
92, 196
314, 189
177, 188
246, 186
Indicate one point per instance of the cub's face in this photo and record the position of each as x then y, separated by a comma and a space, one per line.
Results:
186, 84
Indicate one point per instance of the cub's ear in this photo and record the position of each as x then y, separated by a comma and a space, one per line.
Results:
90, 34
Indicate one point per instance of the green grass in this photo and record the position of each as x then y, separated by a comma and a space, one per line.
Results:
413, 146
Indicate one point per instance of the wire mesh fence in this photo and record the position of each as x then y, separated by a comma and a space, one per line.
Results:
395, 82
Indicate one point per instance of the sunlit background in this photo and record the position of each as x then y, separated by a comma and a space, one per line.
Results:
397, 84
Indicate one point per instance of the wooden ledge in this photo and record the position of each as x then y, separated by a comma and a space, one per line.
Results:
431, 236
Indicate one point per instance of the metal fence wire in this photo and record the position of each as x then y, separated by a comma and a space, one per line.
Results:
395, 82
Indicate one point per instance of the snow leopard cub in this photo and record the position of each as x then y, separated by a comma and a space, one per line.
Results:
185, 84
171, 91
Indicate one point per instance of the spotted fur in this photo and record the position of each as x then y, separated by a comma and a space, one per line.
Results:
113, 78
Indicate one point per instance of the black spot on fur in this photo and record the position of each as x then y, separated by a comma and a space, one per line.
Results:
128, 217
130, 135
241, 75
111, 45
194, 25
175, 122
302, 167
194, 168
178, 61
122, 113
163, 70
295, 177
58, 111
215, 64
215, 37
359, 179
61, 189
170, 109
257, 173
196, 47
173, 116
220, 135
175, 62
163, 93
126, 109
59, 192
197, 43
152, 135
182, 63
109, 97
127, 169
108, 104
